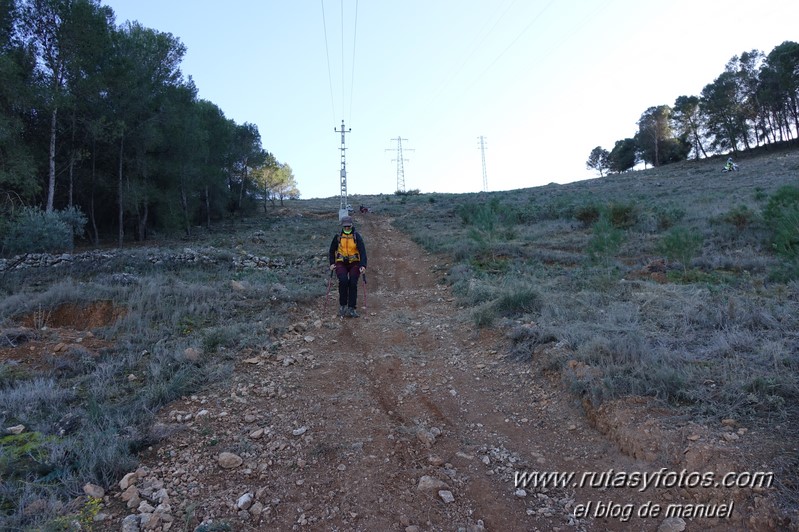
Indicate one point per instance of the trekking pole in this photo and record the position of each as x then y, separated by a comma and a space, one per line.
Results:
365, 291
329, 280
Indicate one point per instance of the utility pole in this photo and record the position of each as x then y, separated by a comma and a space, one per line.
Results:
400, 165
483, 152
343, 209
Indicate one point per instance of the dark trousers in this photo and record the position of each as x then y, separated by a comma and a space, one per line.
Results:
348, 274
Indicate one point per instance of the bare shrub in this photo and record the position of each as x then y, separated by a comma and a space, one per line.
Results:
29, 402
525, 340
494, 301
36, 506
525, 300
629, 368
484, 315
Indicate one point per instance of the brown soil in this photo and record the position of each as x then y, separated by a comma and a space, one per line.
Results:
338, 426
76, 316
44, 337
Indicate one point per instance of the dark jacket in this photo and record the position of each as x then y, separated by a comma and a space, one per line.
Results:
358, 242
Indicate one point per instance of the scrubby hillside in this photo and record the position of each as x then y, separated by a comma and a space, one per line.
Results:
669, 277
633, 322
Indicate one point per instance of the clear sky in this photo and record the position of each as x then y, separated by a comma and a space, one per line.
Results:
543, 81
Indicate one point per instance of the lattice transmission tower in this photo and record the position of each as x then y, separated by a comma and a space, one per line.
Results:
400, 163
483, 153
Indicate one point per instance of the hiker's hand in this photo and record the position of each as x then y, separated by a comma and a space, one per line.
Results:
332, 267
363, 269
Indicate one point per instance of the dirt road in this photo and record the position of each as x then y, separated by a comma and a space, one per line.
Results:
407, 418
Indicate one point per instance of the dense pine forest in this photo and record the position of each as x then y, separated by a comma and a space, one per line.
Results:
102, 134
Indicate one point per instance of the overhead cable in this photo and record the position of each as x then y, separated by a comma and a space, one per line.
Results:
352, 81
327, 54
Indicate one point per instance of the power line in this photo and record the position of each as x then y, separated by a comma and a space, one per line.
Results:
343, 69
327, 54
472, 49
352, 80
342, 57
344, 201
551, 49
508, 47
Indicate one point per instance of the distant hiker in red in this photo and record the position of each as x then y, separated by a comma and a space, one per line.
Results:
348, 258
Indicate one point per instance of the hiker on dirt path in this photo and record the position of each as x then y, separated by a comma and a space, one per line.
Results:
348, 259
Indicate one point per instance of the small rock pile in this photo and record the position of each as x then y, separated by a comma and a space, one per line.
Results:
148, 498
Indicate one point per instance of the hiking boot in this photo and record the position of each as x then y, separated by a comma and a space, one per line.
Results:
351, 312
342, 311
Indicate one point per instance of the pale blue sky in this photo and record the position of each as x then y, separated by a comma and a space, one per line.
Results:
543, 81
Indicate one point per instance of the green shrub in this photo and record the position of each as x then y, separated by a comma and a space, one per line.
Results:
786, 234
606, 241
22, 453
512, 215
484, 220
668, 217
740, 217
681, 245
36, 231
785, 197
622, 215
782, 217
587, 215
484, 215
75, 219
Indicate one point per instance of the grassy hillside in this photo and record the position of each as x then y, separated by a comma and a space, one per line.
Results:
664, 281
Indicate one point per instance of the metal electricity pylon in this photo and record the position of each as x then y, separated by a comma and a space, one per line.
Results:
343, 209
483, 152
400, 163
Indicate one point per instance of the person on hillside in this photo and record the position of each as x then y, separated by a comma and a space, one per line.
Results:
348, 259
